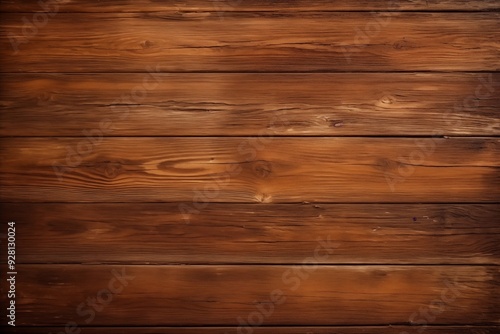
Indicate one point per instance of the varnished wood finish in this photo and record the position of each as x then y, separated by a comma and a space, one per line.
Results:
250, 104
284, 42
217, 6
274, 330
262, 169
223, 233
208, 295
343, 153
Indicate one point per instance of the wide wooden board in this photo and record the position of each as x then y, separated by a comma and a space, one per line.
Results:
220, 295
258, 170
252, 42
335, 104
254, 233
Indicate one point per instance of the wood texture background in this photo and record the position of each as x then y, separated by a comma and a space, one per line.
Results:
245, 104
204, 150
257, 42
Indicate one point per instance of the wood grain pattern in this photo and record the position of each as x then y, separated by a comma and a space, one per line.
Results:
221, 6
231, 233
285, 42
313, 167
208, 295
262, 170
334, 104
272, 330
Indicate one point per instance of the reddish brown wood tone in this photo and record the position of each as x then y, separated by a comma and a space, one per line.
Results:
212, 295
251, 166
224, 233
282, 42
144, 6
258, 169
335, 104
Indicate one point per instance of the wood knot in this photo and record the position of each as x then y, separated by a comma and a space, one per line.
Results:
112, 169
264, 198
388, 99
262, 168
384, 164
336, 123
44, 98
146, 44
402, 45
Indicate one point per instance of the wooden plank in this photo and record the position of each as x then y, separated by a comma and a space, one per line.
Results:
332, 104
256, 169
221, 6
270, 330
263, 42
220, 295
267, 234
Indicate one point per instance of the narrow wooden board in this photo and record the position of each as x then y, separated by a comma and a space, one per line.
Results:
334, 104
222, 295
269, 330
222, 6
256, 169
249, 42
252, 233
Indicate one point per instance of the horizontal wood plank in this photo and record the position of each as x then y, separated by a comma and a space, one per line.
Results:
269, 330
272, 234
220, 295
334, 104
254, 169
221, 6
255, 42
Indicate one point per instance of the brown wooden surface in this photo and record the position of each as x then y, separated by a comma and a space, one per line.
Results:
335, 104
285, 42
262, 170
245, 5
238, 135
208, 295
273, 330
223, 233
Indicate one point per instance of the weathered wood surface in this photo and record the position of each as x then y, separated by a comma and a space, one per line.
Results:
337, 104
252, 42
214, 295
255, 170
208, 220
266, 234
